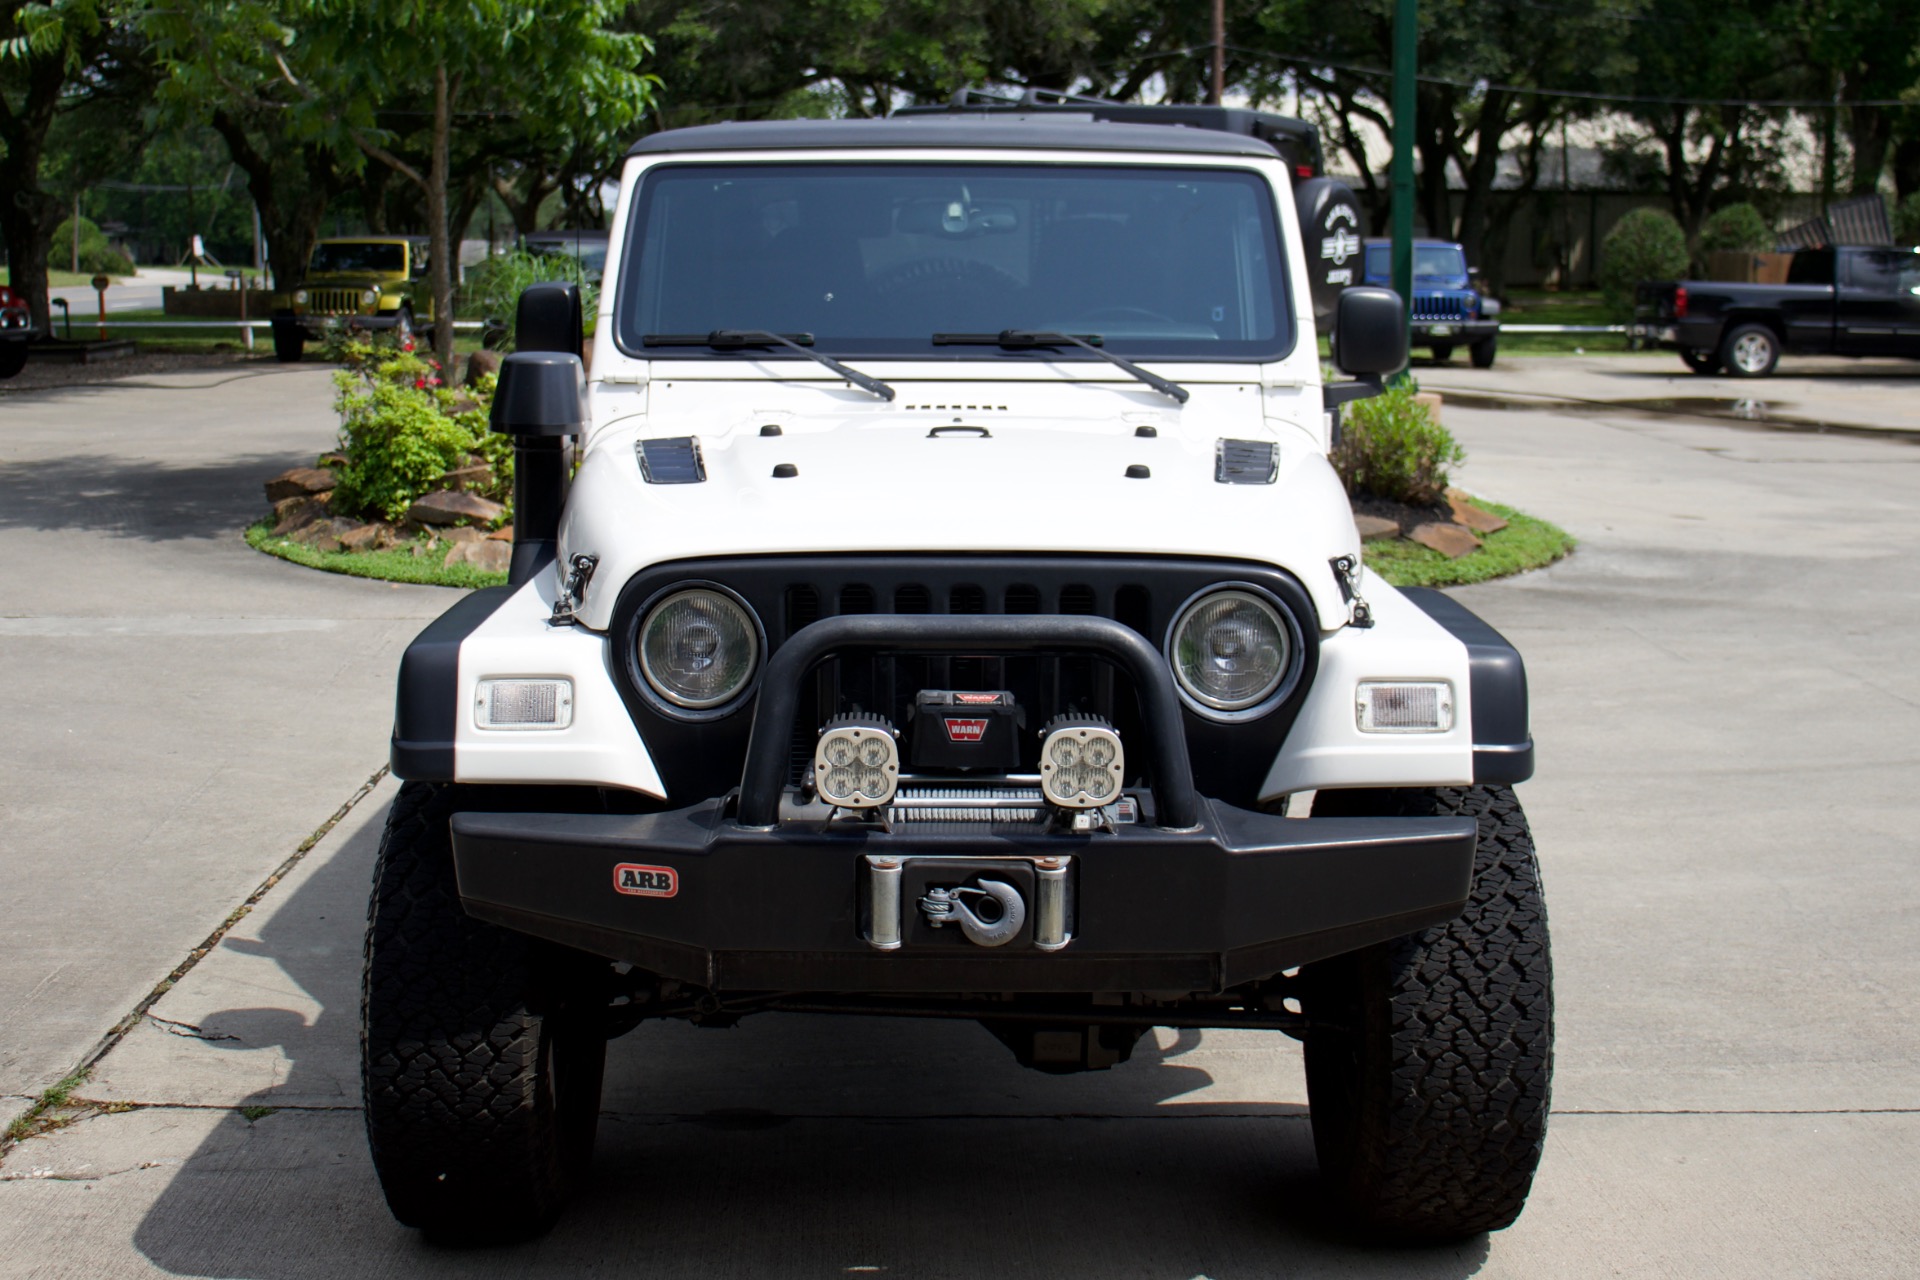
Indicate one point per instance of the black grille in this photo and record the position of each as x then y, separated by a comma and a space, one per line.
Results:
790, 592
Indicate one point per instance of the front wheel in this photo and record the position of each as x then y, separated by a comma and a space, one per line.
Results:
13, 358
1429, 1058
481, 1049
1483, 352
1751, 351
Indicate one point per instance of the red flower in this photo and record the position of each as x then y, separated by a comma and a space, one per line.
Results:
406, 344
419, 384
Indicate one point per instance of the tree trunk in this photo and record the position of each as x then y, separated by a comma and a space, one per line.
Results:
442, 250
28, 214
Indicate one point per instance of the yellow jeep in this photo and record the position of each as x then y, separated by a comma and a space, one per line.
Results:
363, 282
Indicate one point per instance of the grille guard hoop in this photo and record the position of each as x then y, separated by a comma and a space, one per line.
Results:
778, 703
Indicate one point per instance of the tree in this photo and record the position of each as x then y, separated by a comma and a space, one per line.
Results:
57, 57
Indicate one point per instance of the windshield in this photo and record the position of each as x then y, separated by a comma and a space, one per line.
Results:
877, 258
358, 257
1430, 262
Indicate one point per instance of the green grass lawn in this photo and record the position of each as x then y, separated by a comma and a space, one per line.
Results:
396, 564
1526, 543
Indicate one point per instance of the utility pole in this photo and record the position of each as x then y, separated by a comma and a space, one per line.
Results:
1219, 52
1406, 44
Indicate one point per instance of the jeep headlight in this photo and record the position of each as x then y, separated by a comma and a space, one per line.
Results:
371, 297
1232, 651
299, 297
698, 648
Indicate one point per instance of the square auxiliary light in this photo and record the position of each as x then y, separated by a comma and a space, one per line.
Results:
524, 704
1404, 706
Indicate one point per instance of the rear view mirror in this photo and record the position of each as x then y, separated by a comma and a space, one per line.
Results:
1369, 331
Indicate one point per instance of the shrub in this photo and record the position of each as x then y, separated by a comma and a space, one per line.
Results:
1391, 447
401, 429
492, 289
98, 257
1738, 228
1906, 220
1647, 244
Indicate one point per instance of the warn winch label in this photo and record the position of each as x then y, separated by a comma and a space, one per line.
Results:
980, 699
966, 730
646, 882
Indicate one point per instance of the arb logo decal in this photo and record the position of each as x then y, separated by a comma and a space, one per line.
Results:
966, 730
646, 882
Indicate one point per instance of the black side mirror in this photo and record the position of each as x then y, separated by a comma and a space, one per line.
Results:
1370, 331
549, 319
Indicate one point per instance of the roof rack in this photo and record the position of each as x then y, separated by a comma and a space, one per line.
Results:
971, 97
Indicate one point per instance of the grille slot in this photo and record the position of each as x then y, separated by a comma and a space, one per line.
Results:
333, 302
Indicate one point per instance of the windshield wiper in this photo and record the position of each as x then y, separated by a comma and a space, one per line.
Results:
736, 339
1022, 339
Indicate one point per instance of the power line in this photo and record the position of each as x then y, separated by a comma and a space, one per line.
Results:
1583, 94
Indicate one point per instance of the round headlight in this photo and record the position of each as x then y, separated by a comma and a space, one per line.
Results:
299, 297
698, 648
372, 296
1231, 650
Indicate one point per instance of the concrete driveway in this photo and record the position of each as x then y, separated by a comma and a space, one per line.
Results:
1725, 703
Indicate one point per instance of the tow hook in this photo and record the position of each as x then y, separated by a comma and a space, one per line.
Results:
943, 906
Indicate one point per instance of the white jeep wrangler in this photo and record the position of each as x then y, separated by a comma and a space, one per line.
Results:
950, 595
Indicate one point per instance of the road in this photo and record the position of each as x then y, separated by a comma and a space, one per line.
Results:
138, 293
1725, 705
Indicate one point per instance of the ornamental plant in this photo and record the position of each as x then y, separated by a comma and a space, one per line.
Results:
1647, 244
402, 428
1739, 228
1391, 447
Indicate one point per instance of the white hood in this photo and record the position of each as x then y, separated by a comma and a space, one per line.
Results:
978, 467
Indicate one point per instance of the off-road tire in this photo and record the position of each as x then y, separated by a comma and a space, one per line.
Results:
1442, 351
1750, 351
13, 358
289, 340
481, 1049
1699, 360
1429, 1058
1483, 352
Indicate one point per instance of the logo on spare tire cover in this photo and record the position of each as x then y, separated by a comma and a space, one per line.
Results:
966, 730
644, 881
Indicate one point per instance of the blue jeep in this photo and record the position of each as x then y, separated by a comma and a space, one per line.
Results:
1447, 310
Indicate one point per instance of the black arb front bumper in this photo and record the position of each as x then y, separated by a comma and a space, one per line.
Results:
721, 894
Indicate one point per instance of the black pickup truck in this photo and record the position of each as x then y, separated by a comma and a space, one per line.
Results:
1847, 301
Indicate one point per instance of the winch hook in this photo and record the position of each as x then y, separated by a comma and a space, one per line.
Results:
944, 905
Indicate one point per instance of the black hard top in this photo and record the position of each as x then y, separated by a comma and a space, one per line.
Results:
1033, 133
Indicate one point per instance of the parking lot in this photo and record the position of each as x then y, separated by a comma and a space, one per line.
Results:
1724, 700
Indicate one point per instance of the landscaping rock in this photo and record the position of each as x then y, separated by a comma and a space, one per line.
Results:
464, 533
331, 460
1479, 519
323, 535
1372, 527
300, 482
296, 513
460, 405
1431, 399
487, 555
503, 534
442, 507
368, 537
480, 364
463, 478
1448, 539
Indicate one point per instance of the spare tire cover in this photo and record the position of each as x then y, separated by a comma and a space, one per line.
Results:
1333, 233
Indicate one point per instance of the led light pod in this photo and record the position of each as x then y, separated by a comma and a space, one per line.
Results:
1082, 764
856, 763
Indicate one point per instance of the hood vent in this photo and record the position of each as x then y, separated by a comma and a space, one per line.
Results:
671, 460
1246, 461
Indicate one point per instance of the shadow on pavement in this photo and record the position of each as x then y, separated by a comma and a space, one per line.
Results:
789, 1146
134, 498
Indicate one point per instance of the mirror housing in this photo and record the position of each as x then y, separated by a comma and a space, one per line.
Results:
1370, 331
